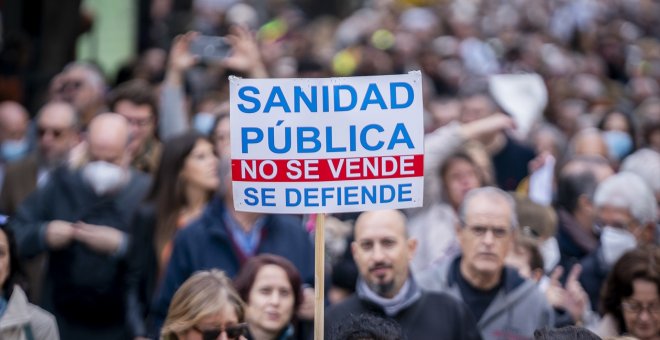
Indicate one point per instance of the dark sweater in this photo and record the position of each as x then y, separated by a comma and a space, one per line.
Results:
433, 316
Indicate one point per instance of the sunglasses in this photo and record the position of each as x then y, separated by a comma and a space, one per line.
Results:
55, 132
233, 332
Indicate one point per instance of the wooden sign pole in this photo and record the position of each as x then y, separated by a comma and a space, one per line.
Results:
319, 276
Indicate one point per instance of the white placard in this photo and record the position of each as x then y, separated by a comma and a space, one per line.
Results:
327, 144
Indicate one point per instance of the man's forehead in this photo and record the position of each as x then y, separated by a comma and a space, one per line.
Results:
380, 224
59, 116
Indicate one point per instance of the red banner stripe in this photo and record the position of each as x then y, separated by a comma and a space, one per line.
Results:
329, 169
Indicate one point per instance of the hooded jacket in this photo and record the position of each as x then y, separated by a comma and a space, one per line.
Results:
518, 309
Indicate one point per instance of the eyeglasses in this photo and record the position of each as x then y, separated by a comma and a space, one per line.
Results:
71, 85
57, 133
637, 308
233, 332
480, 231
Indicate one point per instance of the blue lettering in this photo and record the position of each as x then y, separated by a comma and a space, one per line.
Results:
349, 192
246, 140
314, 139
287, 139
372, 90
326, 194
370, 194
289, 192
326, 99
252, 198
310, 193
328, 141
363, 137
242, 94
393, 96
405, 195
350, 90
310, 102
281, 101
390, 190
266, 199
400, 129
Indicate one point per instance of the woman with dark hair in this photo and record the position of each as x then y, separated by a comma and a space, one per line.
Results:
619, 133
185, 180
629, 300
271, 287
19, 319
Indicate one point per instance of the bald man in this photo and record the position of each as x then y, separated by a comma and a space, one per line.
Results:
382, 252
57, 132
81, 219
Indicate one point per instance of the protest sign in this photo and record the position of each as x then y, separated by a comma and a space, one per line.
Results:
327, 144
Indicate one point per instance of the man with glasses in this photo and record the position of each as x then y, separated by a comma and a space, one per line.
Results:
82, 84
58, 131
135, 100
386, 288
505, 304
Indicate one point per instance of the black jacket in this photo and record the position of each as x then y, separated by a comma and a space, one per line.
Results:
84, 287
433, 316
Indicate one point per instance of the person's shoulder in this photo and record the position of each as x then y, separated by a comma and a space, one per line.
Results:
20, 167
435, 277
40, 317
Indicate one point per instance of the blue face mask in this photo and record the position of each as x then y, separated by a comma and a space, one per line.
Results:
619, 144
13, 150
203, 123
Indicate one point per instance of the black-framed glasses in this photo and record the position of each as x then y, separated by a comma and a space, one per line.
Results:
233, 332
637, 308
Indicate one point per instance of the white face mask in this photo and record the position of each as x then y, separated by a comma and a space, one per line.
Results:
550, 252
615, 242
104, 177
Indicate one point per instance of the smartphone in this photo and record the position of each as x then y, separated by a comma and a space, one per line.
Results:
210, 48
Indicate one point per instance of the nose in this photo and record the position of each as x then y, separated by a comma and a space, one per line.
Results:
489, 237
378, 253
645, 315
274, 298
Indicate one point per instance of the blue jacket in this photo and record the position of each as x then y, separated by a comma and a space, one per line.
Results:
206, 244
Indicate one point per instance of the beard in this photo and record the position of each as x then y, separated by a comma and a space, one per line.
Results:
382, 288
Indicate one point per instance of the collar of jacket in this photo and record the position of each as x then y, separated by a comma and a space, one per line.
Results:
212, 219
17, 313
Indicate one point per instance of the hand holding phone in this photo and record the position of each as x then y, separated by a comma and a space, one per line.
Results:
210, 48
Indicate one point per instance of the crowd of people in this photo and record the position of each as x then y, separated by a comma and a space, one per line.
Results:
120, 221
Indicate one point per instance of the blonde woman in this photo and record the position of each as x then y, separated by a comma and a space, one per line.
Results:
206, 307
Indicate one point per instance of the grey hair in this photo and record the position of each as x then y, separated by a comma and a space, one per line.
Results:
627, 190
94, 72
646, 164
494, 194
